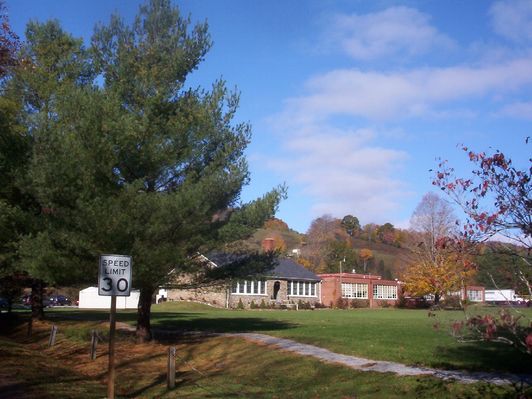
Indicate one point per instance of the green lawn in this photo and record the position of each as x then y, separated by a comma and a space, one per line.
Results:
406, 336
212, 367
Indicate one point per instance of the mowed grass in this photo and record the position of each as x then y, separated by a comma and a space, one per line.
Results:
216, 367
405, 336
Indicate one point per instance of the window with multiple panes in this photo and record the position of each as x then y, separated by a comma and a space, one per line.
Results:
249, 287
384, 291
474, 295
355, 290
301, 288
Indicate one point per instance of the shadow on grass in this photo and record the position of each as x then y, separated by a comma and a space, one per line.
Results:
492, 357
172, 322
90, 315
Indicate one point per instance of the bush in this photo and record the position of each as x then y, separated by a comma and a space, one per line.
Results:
304, 305
341, 303
263, 305
401, 301
451, 302
359, 303
412, 303
253, 305
240, 304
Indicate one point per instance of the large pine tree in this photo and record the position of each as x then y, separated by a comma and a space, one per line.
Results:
134, 162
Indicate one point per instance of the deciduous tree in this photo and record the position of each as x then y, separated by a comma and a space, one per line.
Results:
496, 199
441, 264
448, 272
432, 220
9, 43
323, 231
365, 254
351, 225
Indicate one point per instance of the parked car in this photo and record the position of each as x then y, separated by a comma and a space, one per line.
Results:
60, 300
26, 301
4, 304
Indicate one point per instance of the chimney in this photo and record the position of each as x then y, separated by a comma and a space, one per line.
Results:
268, 245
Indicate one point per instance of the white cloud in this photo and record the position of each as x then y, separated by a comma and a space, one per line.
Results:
343, 172
518, 109
513, 19
396, 30
379, 95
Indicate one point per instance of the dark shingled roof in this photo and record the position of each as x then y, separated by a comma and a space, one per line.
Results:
290, 270
286, 268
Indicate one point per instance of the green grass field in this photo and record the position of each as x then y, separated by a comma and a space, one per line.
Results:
405, 336
212, 367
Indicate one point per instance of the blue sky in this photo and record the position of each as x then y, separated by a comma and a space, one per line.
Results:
352, 102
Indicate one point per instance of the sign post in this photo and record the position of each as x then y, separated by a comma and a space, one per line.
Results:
114, 279
111, 369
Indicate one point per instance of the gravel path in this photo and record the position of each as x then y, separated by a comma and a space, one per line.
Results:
360, 363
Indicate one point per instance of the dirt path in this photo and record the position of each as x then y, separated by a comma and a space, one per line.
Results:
360, 363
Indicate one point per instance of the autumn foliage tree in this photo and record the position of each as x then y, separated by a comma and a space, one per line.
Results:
9, 43
496, 199
447, 272
441, 260
365, 255
327, 242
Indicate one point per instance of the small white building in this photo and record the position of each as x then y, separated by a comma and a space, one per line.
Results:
89, 299
502, 296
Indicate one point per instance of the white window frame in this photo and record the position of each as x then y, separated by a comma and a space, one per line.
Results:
381, 291
474, 295
355, 290
306, 289
249, 287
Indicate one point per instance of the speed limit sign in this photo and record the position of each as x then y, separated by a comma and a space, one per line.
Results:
114, 277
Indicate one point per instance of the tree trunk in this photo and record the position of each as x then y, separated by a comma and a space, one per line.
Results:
37, 308
143, 332
436, 299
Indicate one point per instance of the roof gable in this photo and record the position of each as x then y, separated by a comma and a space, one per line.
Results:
285, 268
288, 269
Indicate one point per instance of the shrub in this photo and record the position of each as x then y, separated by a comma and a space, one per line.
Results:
341, 303
263, 305
451, 302
253, 305
240, 304
401, 301
359, 303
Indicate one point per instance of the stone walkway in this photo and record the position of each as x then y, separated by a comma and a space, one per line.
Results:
359, 363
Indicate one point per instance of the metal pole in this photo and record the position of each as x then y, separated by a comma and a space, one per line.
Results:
341, 296
112, 326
